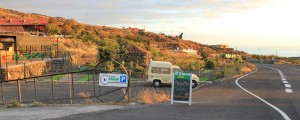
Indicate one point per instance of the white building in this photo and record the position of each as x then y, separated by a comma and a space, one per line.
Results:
190, 51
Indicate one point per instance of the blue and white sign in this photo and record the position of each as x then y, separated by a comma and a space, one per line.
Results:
123, 79
115, 80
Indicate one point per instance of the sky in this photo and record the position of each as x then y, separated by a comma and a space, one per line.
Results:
263, 27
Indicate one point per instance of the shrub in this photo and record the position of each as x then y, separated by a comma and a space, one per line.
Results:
210, 64
150, 96
37, 104
14, 105
86, 97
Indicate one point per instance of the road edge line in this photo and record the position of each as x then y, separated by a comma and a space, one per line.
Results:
283, 114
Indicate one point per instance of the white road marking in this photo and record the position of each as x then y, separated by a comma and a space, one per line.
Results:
288, 90
282, 78
287, 85
292, 68
285, 82
283, 114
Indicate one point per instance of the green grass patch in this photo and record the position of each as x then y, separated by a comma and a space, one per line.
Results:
85, 78
204, 79
136, 79
206, 71
55, 78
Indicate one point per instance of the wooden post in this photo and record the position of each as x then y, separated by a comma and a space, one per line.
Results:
6, 66
70, 90
35, 91
52, 86
19, 91
2, 95
0, 60
72, 77
57, 48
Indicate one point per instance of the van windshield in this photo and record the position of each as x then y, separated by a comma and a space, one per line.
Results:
177, 70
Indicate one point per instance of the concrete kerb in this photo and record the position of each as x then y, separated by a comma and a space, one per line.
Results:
53, 111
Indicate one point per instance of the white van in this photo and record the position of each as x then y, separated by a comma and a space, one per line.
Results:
160, 72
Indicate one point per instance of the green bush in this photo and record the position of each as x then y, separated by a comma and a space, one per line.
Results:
210, 64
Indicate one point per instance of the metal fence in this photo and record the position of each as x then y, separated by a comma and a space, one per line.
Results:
72, 87
225, 71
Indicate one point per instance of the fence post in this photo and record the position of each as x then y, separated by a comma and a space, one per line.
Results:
51, 52
129, 90
35, 92
24, 70
2, 96
0, 60
6, 66
19, 91
94, 81
70, 90
72, 77
52, 86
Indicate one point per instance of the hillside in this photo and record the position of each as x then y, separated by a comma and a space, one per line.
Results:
159, 45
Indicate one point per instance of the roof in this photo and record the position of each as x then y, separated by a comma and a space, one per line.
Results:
12, 22
137, 49
160, 64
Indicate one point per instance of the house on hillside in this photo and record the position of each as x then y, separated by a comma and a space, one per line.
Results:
134, 30
190, 51
138, 55
22, 25
220, 46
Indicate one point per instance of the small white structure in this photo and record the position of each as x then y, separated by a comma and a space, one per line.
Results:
190, 51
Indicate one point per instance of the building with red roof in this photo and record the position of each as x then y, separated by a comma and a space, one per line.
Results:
27, 24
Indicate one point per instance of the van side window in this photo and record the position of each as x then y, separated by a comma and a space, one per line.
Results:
161, 70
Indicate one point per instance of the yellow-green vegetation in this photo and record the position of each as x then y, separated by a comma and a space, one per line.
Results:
37, 104
85, 78
55, 78
14, 105
248, 68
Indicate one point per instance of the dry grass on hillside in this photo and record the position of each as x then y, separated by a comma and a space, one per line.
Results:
248, 68
82, 52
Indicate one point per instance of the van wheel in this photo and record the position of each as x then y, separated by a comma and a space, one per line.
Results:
156, 83
194, 84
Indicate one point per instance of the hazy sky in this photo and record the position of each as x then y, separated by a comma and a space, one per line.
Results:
247, 25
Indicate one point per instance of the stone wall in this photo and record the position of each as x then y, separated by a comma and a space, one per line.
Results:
31, 69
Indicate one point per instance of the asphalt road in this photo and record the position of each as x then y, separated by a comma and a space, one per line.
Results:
267, 98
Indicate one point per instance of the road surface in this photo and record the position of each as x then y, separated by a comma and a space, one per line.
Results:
270, 93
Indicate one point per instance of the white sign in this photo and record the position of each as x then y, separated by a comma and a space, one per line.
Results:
115, 80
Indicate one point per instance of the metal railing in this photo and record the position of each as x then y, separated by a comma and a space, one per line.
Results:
69, 87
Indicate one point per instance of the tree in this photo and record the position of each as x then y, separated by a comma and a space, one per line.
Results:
108, 50
67, 30
53, 29
180, 36
204, 55
210, 64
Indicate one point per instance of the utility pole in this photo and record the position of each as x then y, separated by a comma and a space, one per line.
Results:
260, 56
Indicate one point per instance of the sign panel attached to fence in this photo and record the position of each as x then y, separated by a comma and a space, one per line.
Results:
115, 80
181, 88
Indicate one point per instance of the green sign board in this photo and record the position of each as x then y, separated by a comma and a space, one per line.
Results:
181, 88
